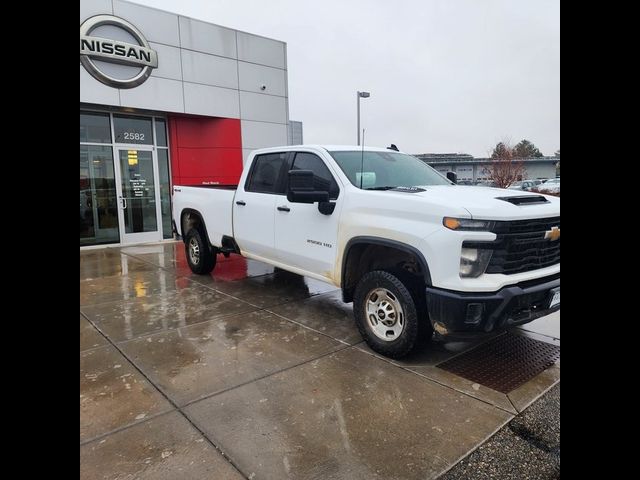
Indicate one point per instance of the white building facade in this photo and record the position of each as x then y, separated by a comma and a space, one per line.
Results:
166, 99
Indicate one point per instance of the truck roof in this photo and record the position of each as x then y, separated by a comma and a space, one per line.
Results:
330, 148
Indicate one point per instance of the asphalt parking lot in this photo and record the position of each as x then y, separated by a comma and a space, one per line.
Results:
262, 374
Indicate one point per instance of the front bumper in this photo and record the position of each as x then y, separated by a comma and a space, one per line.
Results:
464, 313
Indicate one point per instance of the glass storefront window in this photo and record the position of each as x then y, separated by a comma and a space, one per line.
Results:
95, 128
111, 162
98, 205
165, 192
161, 132
129, 129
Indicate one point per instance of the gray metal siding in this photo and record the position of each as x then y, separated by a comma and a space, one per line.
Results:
203, 69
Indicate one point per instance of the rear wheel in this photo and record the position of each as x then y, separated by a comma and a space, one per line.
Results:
200, 256
391, 319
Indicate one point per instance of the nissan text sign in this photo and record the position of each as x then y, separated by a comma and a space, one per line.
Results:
139, 56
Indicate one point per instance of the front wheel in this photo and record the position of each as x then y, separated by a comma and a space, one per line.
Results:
200, 256
391, 320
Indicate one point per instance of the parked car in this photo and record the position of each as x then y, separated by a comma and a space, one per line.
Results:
486, 183
552, 186
526, 185
413, 251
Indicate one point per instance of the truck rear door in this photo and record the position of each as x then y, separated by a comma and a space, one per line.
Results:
254, 205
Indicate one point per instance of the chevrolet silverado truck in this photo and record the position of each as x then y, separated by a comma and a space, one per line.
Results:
411, 249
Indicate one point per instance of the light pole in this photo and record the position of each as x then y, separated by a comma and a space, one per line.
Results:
360, 95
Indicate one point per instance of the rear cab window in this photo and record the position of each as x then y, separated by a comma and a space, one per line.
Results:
267, 174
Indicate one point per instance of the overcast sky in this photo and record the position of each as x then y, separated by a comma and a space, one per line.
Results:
444, 75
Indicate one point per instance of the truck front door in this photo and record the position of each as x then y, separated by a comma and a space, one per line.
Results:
304, 237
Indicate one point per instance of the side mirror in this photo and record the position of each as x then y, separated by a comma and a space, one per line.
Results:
326, 208
452, 176
301, 188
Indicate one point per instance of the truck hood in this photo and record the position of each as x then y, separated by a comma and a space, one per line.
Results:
492, 203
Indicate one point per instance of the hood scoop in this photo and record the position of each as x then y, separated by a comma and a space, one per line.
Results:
524, 199
408, 189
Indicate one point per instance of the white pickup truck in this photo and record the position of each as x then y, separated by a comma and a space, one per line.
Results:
413, 251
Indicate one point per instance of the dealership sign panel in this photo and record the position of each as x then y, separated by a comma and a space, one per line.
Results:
119, 43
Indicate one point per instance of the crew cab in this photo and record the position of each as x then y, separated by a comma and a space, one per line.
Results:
411, 249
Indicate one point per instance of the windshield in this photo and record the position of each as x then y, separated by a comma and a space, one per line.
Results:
386, 170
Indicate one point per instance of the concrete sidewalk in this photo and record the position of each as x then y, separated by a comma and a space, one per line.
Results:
256, 373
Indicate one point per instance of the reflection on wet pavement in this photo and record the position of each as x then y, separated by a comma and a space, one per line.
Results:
271, 367
127, 287
89, 336
164, 448
208, 357
326, 313
122, 321
269, 290
348, 415
111, 266
227, 270
113, 393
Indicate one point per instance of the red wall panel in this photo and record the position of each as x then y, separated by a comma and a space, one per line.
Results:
205, 151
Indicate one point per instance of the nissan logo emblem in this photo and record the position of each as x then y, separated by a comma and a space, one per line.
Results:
140, 56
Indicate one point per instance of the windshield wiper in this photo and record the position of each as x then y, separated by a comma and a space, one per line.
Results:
381, 188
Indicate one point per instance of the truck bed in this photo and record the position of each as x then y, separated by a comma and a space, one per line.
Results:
212, 202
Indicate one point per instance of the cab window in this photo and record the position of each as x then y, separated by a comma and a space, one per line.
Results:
265, 174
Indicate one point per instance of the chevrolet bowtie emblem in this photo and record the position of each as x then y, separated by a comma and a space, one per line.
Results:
553, 234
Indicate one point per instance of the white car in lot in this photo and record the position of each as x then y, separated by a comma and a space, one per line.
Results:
551, 186
412, 250
526, 185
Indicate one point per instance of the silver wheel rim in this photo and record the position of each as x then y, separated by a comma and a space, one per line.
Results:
384, 314
194, 251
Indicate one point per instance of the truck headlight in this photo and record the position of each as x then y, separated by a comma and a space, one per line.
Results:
467, 224
474, 261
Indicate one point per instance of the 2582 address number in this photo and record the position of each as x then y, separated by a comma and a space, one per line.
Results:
134, 136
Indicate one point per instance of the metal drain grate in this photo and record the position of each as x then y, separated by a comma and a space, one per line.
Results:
504, 362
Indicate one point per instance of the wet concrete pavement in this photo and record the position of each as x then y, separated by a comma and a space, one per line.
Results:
252, 372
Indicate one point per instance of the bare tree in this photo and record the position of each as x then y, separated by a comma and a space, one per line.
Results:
505, 168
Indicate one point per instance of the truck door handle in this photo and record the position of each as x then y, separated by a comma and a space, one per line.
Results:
284, 209
240, 202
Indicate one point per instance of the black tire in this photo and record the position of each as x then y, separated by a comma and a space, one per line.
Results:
416, 327
202, 261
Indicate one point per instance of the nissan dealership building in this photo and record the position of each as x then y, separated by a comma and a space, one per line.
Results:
167, 99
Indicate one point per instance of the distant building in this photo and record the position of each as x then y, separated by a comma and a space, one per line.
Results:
471, 169
454, 157
294, 133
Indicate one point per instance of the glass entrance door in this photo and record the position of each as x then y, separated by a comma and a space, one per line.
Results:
138, 195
